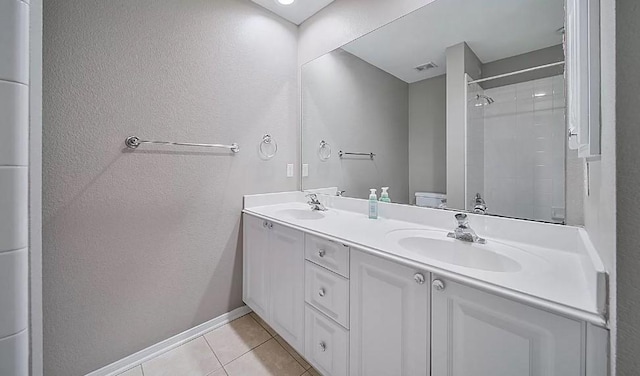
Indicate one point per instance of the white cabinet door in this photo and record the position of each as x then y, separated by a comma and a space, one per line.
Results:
286, 255
255, 286
327, 344
480, 334
389, 318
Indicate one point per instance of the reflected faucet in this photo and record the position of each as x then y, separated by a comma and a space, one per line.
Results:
464, 232
315, 204
479, 206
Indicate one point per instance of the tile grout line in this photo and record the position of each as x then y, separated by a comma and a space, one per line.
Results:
292, 357
288, 352
261, 325
14, 250
244, 353
214, 353
13, 82
294, 350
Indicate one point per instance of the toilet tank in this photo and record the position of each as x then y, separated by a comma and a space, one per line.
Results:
431, 200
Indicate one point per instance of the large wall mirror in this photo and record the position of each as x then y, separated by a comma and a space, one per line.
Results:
459, 104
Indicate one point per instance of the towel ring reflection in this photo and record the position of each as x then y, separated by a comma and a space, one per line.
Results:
268, 147
324, 151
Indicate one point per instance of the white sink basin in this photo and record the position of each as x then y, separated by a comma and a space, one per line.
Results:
493, 256
304, 214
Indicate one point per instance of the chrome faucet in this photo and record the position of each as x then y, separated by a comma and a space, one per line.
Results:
340, 193
315, 204
479, 206
464, 232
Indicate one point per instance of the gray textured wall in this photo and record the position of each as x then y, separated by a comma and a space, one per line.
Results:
356, 107
628, 136
428, 136
141, 246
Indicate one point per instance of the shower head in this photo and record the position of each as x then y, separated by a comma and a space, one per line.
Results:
483, 98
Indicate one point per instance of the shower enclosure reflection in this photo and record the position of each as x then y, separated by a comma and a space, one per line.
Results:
525, 121
468, 115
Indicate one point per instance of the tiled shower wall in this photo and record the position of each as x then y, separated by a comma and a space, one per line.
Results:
14, 120
523, 148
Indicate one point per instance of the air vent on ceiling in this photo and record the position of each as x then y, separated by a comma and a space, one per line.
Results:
424, 67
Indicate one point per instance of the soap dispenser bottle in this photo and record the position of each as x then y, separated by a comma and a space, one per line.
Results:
384, 196
373, 204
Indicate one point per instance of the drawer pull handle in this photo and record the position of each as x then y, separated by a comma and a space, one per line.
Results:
321, 292
322, 252
419, 278
437, 284
323, 346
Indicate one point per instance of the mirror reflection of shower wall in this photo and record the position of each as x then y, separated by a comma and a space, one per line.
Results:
516, 148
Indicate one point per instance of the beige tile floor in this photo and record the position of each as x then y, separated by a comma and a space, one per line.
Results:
244, 347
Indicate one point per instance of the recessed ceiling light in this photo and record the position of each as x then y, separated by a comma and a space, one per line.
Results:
285, 2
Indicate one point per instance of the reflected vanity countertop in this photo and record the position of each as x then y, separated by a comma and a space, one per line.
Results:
560, 275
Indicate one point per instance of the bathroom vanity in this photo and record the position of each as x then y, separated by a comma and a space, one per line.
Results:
483, 107
357, 296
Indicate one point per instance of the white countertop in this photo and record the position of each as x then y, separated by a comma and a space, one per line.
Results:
555, 279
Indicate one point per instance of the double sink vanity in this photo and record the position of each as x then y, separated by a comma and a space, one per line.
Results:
489, 108
397, 296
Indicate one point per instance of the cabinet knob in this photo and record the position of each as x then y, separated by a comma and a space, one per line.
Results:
265, 224
322, 252
323, 346
321, 292
419, 278
438, 284
270, 225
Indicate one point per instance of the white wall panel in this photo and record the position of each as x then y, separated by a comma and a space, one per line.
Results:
14, 41
14, 124
13, 292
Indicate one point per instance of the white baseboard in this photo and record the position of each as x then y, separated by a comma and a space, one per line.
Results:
152, 351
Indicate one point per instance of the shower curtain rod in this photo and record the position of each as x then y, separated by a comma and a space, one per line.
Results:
516, 72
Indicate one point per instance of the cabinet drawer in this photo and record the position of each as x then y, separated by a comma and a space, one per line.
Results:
328, 292
326, 344
333, 256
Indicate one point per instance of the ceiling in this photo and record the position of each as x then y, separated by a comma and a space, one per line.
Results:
494, 29
297, 12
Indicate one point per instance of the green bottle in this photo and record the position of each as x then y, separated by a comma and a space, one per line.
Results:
384, 196
373, 205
